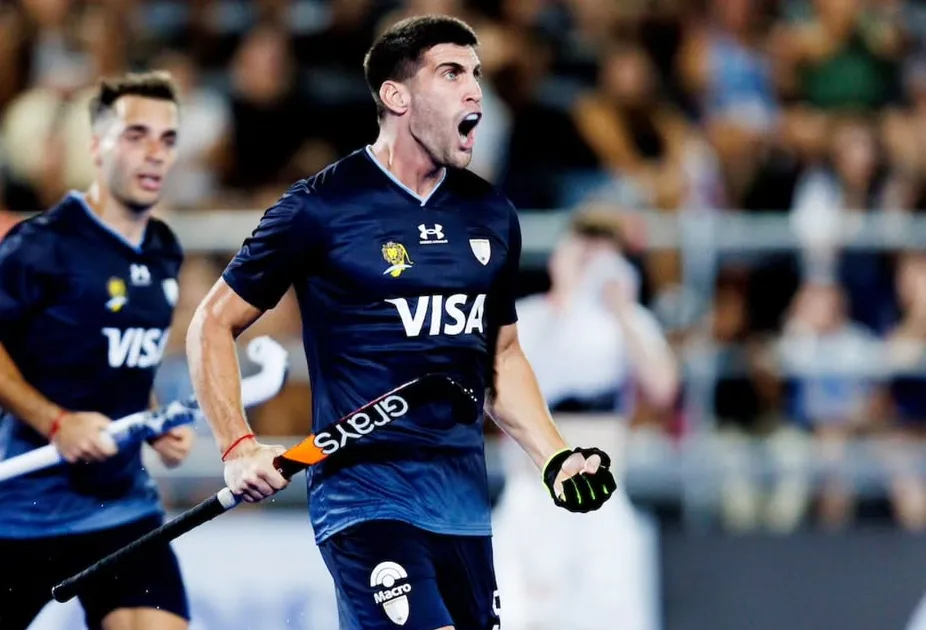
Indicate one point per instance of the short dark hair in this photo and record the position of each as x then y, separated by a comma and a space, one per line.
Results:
156, 84
396, 54
601, 224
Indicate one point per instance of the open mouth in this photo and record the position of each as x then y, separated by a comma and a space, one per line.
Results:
466, 128
150, 182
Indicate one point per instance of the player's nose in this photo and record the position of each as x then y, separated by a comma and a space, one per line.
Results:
156, 152
473, 92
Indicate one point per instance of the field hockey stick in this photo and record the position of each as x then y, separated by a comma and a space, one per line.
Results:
336, 438
145, 425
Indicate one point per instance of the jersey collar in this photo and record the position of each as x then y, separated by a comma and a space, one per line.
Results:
395, 180
77, 198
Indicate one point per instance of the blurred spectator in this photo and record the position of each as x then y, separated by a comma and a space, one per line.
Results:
829, 201
590, 341
906, 353
832, 368
725, 64
745, 402
205, 121
641, 142
270, 118
649, 155
841, 54
903, 134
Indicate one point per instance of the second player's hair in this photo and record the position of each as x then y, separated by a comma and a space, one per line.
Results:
396, 54
156, 84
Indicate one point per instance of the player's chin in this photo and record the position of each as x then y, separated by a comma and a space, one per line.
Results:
141, 199
461, 156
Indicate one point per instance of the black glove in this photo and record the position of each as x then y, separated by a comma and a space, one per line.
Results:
582, 492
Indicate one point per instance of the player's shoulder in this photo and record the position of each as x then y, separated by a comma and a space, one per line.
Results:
493, 205
163, 240
341, 179
324, 190
35, 242
36, 233
470, 186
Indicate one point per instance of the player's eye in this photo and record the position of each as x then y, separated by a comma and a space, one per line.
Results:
451, 75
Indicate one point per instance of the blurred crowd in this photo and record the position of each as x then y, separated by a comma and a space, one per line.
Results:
814, 110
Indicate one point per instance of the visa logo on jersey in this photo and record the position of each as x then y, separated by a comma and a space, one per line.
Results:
135, 347
451, 315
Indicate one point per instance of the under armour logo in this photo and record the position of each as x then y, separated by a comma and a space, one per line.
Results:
431, 235
139, 275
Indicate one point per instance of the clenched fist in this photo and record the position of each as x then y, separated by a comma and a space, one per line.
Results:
250, 473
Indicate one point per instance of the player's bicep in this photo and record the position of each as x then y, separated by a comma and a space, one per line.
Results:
223, 308
507, 341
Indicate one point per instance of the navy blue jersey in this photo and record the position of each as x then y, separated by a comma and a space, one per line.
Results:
85, 316
390, 286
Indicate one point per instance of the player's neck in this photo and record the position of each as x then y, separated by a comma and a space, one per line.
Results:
408, 162
127, 223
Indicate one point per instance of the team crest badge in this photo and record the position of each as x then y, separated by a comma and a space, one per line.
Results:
482, 249
171, 291
117, 294
397, 257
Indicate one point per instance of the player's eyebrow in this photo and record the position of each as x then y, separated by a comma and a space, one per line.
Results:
136, 128
458, 67
140, 128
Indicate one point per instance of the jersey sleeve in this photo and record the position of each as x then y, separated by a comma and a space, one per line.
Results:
20, 289
286, 244
504, 294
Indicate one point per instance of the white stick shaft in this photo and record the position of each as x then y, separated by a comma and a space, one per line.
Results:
255, 390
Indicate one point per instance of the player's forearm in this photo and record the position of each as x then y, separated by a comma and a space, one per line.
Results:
22, 399
653, 362
216, 377
519, 409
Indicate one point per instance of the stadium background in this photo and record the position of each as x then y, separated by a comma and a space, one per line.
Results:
764, 160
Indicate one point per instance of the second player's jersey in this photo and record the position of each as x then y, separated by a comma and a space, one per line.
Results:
390, 287
85, 316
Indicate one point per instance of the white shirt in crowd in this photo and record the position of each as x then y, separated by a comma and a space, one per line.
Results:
579, 351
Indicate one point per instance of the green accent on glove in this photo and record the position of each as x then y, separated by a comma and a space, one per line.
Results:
583, 492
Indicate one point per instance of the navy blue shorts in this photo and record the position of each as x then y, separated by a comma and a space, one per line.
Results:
29, 568
389, 574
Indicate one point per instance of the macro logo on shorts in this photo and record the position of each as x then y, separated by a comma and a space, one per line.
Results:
391, 591
396, 255
117, 294
457, 314
135, 347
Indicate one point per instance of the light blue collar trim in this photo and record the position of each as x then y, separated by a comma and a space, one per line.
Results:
77, 196
411, 192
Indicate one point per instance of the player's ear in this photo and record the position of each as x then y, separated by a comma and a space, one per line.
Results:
95, 150
394, 96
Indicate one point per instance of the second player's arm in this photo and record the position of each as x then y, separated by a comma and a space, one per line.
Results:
22, 399
517, 405
213, 361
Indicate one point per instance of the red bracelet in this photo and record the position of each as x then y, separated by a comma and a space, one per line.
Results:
56, 424
236, 443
